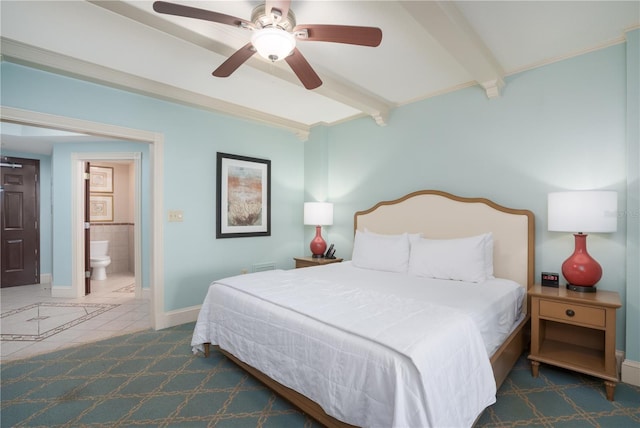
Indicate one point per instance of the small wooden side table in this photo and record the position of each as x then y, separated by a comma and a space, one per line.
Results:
576, 331
303, 262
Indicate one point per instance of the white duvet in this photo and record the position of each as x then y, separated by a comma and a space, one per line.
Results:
373, 348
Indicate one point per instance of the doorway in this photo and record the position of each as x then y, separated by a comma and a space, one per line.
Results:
159, 319
19, 223
119, 221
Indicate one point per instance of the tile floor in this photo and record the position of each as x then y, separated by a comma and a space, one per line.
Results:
33, 322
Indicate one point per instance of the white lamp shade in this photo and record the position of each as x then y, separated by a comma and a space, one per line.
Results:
318, 213
273, 43
583, 211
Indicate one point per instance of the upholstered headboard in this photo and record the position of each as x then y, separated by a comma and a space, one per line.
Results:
440, 215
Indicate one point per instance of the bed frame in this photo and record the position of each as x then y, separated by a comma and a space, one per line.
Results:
440, 215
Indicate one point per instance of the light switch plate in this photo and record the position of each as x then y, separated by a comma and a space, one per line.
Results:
175, 215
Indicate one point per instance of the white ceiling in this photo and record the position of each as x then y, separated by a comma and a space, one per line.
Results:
428, 48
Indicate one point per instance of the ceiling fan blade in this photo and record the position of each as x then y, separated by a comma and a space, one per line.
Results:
352, 35
281, 5
303, 70
234, 61
194, 12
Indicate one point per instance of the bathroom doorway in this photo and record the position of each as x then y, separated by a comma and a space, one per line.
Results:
112, 201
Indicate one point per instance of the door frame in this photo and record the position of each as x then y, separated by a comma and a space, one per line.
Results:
159, 319
77, 215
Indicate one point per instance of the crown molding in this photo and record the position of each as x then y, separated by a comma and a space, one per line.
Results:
24, 54
570, 55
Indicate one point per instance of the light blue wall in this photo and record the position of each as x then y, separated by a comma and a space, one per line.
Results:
557, 127
316, 180
632, 212
45, 207
192, 255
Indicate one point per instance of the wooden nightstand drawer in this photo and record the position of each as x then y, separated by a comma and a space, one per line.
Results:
572, 313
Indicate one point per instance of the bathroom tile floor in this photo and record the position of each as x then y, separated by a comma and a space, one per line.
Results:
32, 322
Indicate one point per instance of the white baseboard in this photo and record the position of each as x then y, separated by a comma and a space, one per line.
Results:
619, 360
630, 372
45, 278
178, 317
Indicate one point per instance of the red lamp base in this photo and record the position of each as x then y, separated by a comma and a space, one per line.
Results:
581, 270
318, 245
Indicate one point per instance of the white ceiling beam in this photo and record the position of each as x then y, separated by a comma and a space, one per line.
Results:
336, 89
446, 24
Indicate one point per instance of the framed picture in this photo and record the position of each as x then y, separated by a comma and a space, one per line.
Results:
243, 196
101, 208
101, 179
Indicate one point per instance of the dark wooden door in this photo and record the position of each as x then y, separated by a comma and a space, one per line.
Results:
87, 232
20, 215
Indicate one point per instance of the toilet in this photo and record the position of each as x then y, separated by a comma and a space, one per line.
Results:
99, 260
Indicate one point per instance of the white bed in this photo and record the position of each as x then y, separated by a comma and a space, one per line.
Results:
352, 344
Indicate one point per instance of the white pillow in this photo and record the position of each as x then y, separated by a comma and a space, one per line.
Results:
488, 255
462, 259
381, 252
412, 236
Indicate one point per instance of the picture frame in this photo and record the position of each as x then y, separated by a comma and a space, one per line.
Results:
101, 179
243, 200
101, 208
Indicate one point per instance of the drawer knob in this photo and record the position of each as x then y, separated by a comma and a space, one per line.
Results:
570, 312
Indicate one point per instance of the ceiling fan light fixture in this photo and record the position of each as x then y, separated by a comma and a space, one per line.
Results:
272, 43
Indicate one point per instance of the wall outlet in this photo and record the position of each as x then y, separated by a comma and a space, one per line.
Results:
244, 271
175, 215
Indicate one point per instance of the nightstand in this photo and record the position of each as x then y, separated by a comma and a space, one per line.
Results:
303, 262
576, 331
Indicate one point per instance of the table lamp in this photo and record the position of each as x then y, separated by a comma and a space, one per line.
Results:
580, 212
318, 214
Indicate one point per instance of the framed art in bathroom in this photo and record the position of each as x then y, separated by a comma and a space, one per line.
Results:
243, 202
101, 208
101, 179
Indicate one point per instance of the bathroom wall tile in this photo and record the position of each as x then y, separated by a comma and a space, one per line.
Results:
132, 261
120, 237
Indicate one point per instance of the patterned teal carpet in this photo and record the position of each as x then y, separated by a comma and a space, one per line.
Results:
151, 379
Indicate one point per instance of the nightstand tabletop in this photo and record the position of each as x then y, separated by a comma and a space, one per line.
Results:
600, 297
314, 261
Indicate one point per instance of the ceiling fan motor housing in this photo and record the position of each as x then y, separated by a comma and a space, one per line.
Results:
263, 20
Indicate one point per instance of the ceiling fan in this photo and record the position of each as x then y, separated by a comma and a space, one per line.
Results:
274, 36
